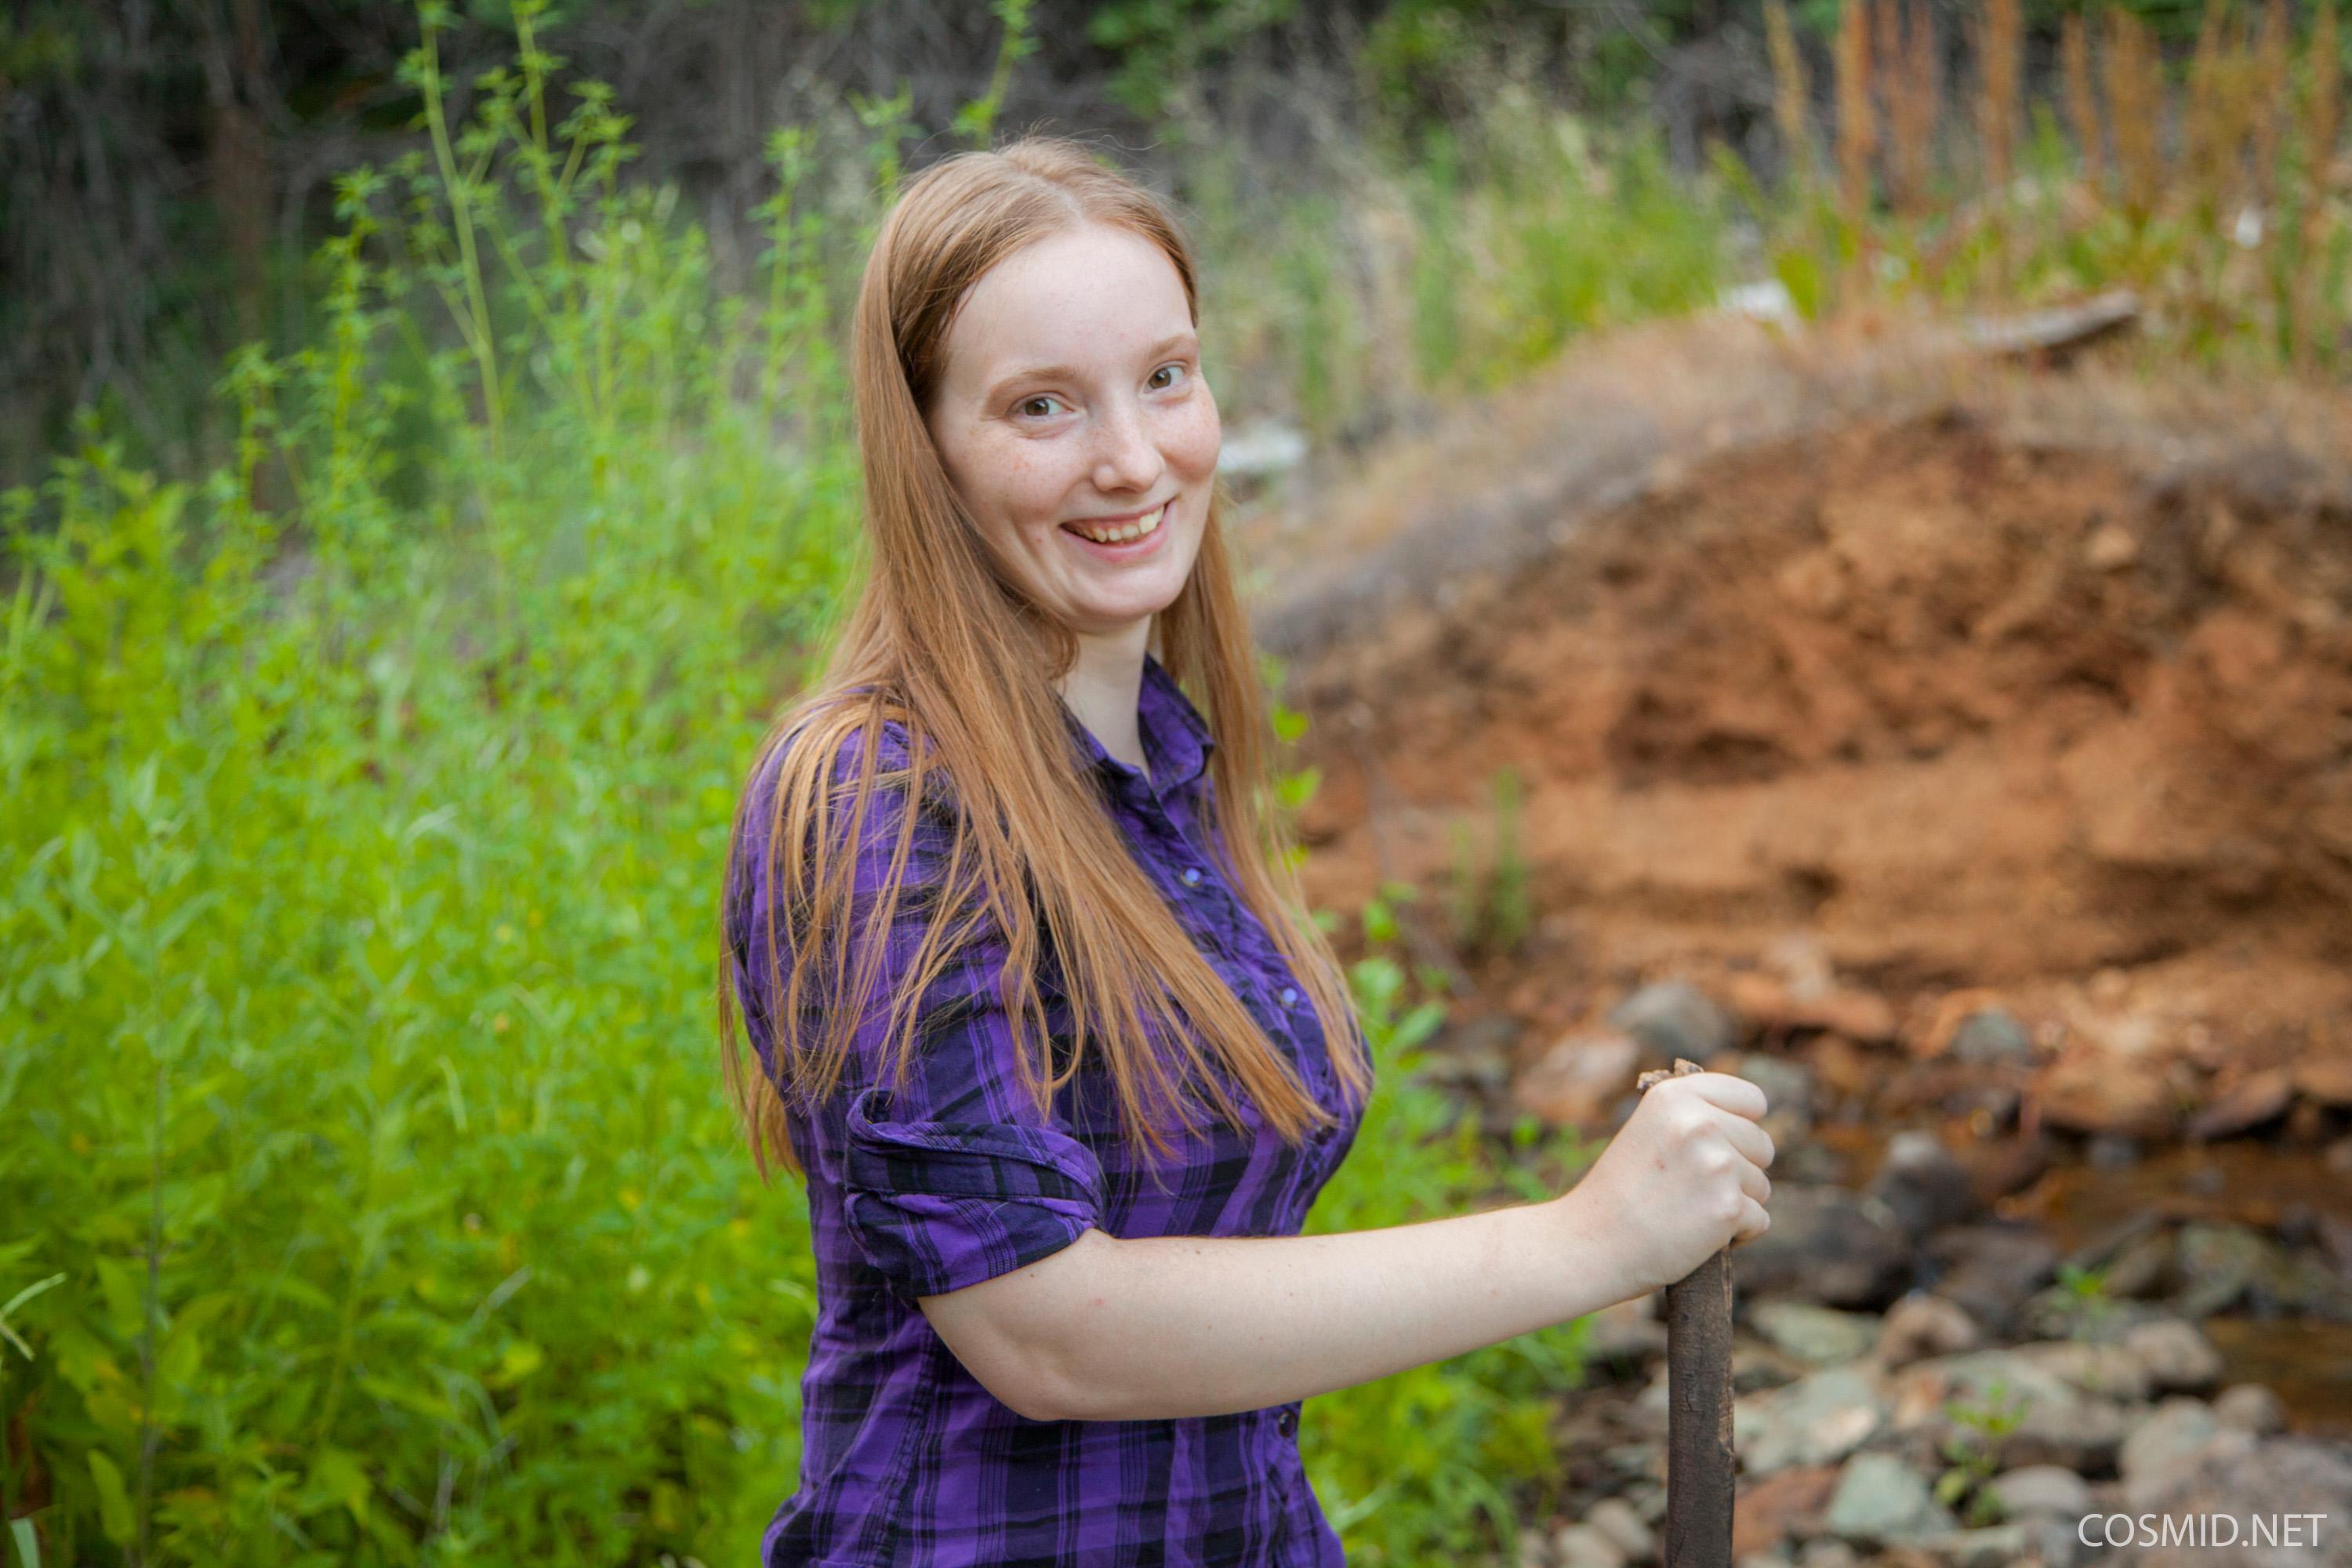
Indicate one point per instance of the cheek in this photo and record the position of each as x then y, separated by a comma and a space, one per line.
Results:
1193, 441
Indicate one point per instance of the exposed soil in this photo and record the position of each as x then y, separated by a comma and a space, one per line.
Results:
1966, 700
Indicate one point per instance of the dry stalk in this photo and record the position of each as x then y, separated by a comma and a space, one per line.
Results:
1789, 92
2320, 116
1999, 31
1857, 130
1921, 101
2135, 105
2273, 101
2082, 101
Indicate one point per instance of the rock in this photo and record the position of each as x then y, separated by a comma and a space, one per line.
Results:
2216, 1264
2250, 1408
1647, 1413
1776, 1008
1994, 1546
1763, 1559
1788, 1088
1991, 1037
1627, 1330
2255, 1099
1923, 1325
1920, 1180
1827, 1552
2047, 1491
2106, 1371
1674, 1019
1616, 1519
1583, 1546
1816, 1420
2111, 1151
1999, 1166
1991, 1269
1820, 1335
1826, 1246
1881, 1501
2167, 1443
2325, 1079
1756, 1365
2089, 1091
2143, 1267
1767, 1512
2176, 1354
1580, 1080
2266, 1483
2052, 1421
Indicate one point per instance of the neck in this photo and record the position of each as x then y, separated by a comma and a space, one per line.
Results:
1103, 686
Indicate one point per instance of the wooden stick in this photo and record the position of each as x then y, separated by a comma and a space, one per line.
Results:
1699, 1460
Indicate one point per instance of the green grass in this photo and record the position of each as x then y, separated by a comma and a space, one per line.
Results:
368, 1195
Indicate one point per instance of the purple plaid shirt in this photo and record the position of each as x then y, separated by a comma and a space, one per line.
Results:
907, 1460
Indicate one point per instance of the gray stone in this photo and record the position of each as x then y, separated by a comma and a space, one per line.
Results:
1923, 1182
2170, 1443
1617, 1520
2177, 1355
1674, 1019
2055, 1423
1881, 1501
1583, 1546
2109, 1372
1991, 1037
2043, 1490
2266, 1479
1816, 1420
1921, 1324
2250, 1408
1991, 1269
1821, 1335
1827, 1552
2216, 1264
1826, 1246
1994, 1546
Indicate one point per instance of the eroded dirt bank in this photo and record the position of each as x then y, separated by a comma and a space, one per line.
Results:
1971, 765
1968, 715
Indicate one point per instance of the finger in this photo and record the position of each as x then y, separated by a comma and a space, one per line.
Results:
1733, 1094
1757, 1221
1755, 1183
1746, 1136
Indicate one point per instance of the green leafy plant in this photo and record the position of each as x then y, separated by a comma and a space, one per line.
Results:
1973, 1454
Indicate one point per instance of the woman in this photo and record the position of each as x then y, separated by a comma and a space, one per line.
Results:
1023, 900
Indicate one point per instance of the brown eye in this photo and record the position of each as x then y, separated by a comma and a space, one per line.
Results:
1027, 403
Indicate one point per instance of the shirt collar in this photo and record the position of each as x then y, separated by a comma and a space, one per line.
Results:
1176, 739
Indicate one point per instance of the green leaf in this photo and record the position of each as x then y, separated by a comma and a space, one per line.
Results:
113, 1502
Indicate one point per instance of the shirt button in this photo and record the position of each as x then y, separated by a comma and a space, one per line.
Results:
1191, 875
1287, 1422
1289, 995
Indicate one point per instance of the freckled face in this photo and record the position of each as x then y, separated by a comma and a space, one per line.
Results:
1073, 395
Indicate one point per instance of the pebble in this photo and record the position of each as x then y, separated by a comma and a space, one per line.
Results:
2050, 1490
2176, 1354
1615, 1517
2250, 1408
1881, 1499
1584, 1546
1921, 1325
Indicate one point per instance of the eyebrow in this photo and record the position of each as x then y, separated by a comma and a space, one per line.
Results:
1007, 382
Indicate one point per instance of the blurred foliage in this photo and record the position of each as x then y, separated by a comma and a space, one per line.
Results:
370, 1197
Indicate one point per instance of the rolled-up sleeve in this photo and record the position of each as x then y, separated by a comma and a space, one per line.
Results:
953, 1176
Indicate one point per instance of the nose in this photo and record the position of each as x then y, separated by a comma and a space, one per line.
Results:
1128, 455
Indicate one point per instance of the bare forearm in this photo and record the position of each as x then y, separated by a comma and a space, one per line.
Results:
1173, 1326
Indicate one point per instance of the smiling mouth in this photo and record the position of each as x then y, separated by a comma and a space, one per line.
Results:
1118, 533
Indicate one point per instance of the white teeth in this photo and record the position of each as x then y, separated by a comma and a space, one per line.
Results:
1132, 531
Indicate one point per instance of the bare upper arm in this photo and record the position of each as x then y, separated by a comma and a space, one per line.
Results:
1011, 1333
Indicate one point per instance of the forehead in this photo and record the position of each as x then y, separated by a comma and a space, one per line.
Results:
1092, 295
